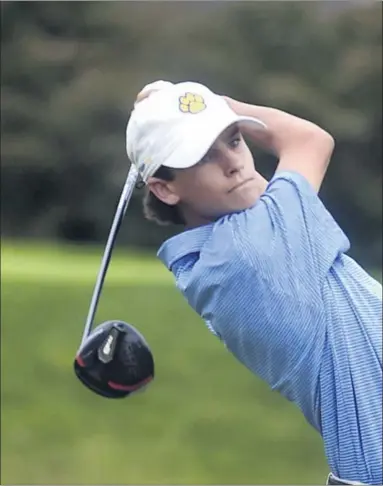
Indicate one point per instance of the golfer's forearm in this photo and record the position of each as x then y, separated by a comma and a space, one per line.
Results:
285, 132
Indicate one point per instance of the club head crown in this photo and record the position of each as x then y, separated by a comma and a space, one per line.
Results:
115, 360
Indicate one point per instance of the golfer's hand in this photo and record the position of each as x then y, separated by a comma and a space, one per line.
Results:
144, 94
151, 88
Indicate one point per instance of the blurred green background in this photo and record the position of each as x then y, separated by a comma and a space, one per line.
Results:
70, 73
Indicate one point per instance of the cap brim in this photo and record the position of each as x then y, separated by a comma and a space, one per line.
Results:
195, 145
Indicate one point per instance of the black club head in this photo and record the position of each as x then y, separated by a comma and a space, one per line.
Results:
115, 360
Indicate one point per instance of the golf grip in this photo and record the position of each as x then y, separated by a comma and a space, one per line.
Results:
126, 194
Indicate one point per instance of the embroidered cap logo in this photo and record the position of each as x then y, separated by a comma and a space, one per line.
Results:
192, 103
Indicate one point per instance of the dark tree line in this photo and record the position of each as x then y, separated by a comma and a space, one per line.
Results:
71, 70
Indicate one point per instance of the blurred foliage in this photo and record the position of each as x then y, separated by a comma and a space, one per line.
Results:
71, 71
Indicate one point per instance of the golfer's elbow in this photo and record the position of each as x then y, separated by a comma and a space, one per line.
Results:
312, 134
302, 138
323, 138
309, 154
312, 139
321, 141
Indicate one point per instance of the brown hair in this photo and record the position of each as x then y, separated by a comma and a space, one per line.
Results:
155, 209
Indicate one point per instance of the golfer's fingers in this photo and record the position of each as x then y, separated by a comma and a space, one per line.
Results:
144, 94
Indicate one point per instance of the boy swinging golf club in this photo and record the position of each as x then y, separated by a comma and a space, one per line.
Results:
263, 262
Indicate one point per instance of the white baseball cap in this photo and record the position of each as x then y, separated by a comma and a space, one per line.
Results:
176, 125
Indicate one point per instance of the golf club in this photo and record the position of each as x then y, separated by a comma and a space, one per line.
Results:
114, 360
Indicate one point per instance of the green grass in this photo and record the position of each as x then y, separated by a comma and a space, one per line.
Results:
205, 419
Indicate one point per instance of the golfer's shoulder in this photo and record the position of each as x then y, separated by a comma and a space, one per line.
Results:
184, 247
290, 190
238, 241
288, 198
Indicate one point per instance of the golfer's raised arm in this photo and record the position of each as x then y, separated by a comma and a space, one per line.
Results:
300, 145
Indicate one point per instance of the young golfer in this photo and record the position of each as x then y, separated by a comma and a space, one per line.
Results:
265, 264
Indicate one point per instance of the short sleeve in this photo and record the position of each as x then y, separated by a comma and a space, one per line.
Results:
298, 227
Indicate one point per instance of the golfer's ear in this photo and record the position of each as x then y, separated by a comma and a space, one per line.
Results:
163, 190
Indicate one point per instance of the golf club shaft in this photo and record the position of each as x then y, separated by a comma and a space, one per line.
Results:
126, 194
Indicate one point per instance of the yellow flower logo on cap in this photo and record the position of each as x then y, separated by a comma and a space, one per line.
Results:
192, 103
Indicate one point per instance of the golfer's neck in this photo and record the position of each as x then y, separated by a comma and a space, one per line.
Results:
194, 220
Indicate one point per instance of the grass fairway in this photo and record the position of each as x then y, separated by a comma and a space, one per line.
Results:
205, 419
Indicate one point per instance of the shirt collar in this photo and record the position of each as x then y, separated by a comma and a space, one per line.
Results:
187, 242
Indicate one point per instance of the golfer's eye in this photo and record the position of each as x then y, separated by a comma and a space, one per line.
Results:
235, 141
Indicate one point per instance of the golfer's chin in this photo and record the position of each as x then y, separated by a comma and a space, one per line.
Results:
247, 197
239, 200
237, 207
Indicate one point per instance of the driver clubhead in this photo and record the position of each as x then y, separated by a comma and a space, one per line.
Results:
115, 361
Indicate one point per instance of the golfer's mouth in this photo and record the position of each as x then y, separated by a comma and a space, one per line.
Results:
241, 184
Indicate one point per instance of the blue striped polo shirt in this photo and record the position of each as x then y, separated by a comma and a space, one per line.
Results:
275, 284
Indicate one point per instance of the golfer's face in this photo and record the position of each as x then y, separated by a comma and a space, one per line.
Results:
224, 181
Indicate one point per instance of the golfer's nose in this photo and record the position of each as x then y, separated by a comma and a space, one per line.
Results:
232, 164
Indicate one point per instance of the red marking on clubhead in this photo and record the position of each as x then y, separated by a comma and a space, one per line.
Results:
80, 361
117, 386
